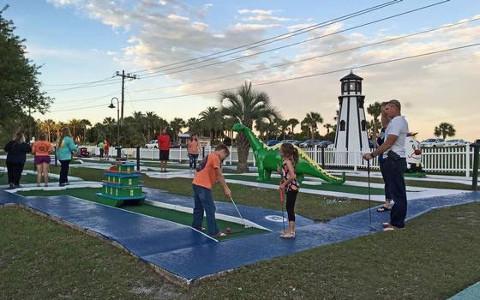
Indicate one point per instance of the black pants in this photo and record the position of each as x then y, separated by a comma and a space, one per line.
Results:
65, 165
291, 198
14, 172
394, 170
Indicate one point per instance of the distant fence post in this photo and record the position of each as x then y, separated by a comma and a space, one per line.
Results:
467, 160
230, 156
476, 150
138, 158
119, 152
323, 157
180, 154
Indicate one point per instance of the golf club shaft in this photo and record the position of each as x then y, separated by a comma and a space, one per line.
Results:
369, 193
238, 211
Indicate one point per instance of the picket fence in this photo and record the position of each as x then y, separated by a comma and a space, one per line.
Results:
453, 160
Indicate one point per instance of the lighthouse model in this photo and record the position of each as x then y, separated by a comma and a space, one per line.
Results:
351, 136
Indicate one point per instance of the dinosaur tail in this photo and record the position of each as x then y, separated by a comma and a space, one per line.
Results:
319, 171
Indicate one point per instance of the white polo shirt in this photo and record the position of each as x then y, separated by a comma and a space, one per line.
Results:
398, 126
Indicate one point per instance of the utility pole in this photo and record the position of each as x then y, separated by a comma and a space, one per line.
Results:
123, 75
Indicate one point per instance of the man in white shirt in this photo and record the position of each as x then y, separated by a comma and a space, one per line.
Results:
393, 151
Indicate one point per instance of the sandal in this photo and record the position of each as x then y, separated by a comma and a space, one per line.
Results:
220, 234
383, 209
287, 235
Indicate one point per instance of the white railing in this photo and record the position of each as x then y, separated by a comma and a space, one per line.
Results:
458, 159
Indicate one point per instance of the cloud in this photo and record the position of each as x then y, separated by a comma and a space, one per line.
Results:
430, 87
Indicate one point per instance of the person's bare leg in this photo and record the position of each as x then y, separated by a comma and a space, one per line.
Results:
45, 173
39, 174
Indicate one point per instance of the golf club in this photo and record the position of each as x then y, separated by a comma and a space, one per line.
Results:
369, 197
243, 220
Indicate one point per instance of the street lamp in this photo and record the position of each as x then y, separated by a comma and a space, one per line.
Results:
118, 117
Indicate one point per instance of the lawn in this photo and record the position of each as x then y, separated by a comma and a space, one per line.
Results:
435, 257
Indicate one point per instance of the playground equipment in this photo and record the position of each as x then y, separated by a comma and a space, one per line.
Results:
268, 160
121, 185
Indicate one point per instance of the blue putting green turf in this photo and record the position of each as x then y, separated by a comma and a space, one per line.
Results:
190, 255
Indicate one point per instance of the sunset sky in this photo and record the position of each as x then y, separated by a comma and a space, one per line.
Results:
79, 41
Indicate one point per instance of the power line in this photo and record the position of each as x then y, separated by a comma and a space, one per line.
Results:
79, 83
449, 26
282, 36
111, 82
153, 74
357, 67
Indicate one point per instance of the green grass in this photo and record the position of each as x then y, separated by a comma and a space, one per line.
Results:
158, 212
40, 259
343, 188
29, 178
435, 257
415, 183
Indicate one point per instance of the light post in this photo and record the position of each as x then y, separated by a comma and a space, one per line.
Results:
118, 117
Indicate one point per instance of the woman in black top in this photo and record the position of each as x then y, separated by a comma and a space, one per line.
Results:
17, 151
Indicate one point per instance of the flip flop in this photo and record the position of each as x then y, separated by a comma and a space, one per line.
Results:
383, 209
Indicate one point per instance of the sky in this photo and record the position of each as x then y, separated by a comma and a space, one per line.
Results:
80, 44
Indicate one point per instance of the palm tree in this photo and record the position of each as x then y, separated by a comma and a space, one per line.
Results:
311, 121
262, 127
293, 122
282, 125
247, 106
48, 126
74, 125
444, 130
328, 126
194, 126
151, 121
177, 124
375, 110
84, 123
211, 119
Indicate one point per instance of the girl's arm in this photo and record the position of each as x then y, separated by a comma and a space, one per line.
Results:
72, 145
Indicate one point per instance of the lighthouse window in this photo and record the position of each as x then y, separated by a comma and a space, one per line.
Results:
342, 125
364, 125
352, 86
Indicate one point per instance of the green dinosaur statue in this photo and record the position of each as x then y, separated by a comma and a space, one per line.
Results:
268, 159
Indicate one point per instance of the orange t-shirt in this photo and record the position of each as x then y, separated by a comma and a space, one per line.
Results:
42, 148
193, 147
208, 176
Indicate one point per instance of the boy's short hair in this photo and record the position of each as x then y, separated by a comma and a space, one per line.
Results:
395, 103
223, 147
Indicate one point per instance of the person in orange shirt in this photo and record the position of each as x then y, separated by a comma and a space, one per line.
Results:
193, 148
41, 150
208, 173
164, 147
106, 149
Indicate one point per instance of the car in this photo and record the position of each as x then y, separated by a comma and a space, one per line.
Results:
324, 143
457, 142
272, 142
293, 142
153, 144
432, 143
309, 143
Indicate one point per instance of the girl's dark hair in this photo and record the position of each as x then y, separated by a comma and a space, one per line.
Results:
290, 151
42, 136
18, 136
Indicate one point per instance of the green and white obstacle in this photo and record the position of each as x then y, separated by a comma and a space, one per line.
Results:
121, 185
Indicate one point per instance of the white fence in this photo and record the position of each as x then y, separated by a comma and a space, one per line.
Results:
455, 160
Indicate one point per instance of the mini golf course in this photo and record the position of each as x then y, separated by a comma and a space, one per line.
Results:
180, 217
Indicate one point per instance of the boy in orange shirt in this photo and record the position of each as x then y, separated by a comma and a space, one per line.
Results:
210, 172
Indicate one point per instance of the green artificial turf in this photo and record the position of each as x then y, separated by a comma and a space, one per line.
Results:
342, 188
184, 218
